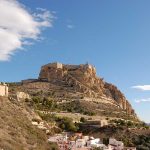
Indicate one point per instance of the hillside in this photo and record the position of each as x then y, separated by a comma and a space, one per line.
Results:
67, 98
16, 130
77, 86
67, 83
139, 138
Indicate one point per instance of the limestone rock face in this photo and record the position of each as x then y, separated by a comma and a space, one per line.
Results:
83, 79
112, 92
22, 96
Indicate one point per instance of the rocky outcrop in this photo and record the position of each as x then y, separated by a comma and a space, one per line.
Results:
114, 93
83, 79
22, 96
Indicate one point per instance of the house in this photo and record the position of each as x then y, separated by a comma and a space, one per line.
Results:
86, 138
80, 143
93, 142
59, 138
115, 145
79, 135
3, 89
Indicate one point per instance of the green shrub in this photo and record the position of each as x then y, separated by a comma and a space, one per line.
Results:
82, 119
67, 124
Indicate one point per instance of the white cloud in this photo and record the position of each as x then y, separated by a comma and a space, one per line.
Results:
18, 26
142, 100
142, 87
70, 26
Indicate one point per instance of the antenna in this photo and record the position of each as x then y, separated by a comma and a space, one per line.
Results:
87, 63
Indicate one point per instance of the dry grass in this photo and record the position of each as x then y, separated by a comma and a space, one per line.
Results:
16, 130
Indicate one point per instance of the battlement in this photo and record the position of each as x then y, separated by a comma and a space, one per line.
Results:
56, 71
56, 65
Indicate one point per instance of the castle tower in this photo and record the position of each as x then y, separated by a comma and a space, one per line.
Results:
51, 72
91, 68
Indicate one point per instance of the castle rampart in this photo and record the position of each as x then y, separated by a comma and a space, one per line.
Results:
56, 65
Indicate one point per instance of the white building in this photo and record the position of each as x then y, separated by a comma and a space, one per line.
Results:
94, 142
72, 145
86, 138
3, 89
58, 138
80, 143
115, 145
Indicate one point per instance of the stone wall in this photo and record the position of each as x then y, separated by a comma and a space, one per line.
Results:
37, 86
28, 81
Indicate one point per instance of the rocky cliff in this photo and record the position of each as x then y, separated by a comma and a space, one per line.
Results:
77, 86
83, 79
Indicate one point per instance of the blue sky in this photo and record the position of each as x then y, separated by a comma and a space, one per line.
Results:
112, 35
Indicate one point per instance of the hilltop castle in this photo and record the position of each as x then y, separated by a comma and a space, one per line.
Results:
55, 71
80, 80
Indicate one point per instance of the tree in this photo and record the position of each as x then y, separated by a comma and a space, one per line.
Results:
67, 124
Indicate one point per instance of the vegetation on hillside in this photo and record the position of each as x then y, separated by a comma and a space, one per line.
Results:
64, 123
16, 130
127, 128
